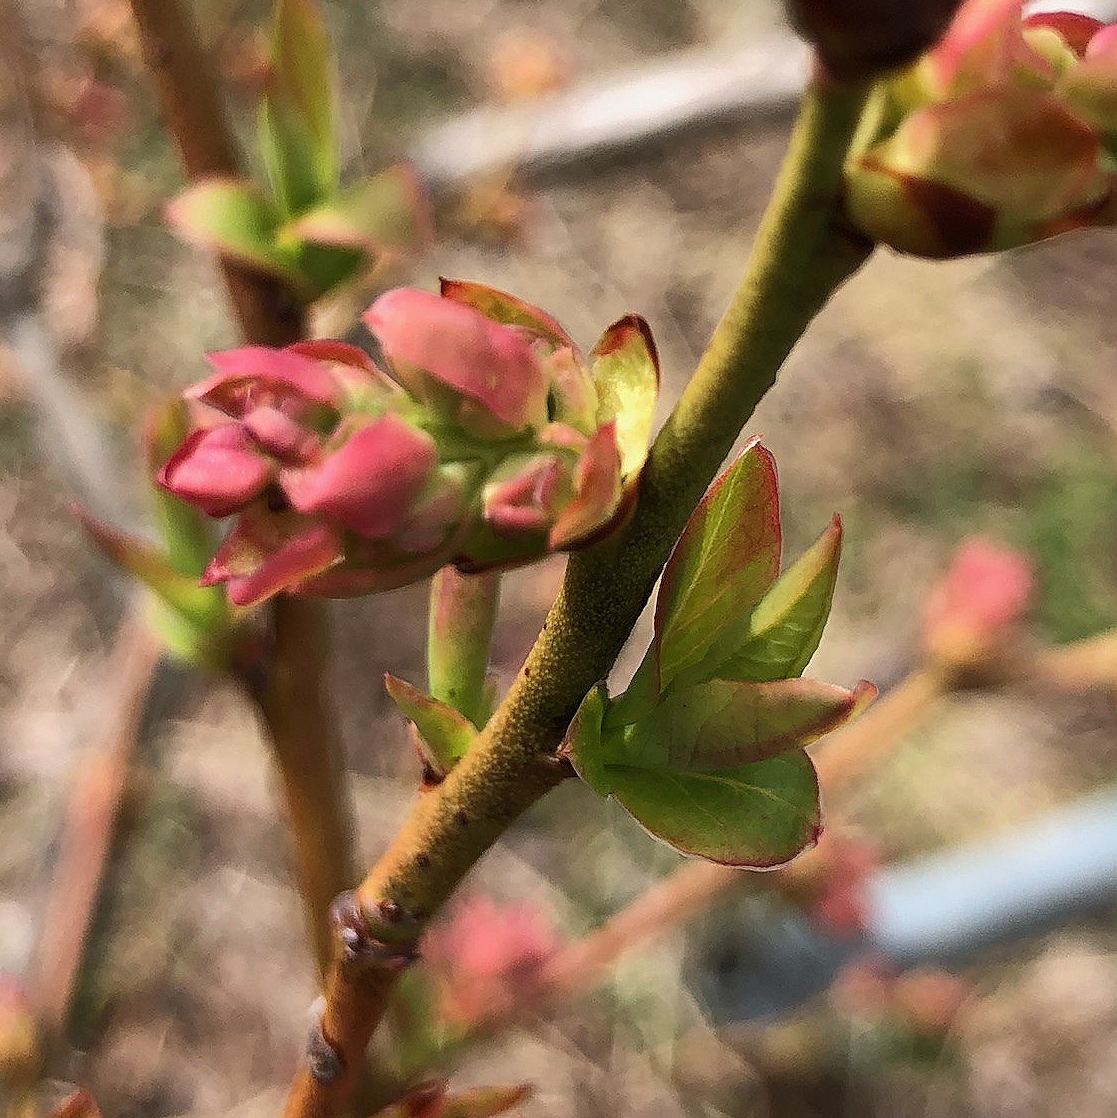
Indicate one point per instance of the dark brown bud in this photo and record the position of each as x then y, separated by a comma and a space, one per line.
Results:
857, 39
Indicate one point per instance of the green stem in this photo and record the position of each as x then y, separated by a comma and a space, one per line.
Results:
802, 254
462, 613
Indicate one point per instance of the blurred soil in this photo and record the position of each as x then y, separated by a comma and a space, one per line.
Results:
929, 402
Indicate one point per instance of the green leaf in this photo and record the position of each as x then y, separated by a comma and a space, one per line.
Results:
780, 636
296, 129
445, 732
287, 152
385, 213
205, 606
186, 639
322, 268
582, 745
626, 376
509, 309
725, 561
235, 220
723, 723
759, 815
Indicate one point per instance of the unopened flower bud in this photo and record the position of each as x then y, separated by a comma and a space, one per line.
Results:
1000, 136
491, 443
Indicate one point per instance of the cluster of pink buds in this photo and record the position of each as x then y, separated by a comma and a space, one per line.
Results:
1004, 134
487, 441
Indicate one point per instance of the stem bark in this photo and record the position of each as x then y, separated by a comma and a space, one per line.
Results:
290, 690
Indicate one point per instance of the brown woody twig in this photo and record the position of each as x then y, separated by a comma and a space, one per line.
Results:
289, 692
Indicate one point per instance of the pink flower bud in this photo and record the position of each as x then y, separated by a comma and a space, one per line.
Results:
257, 375
368, 483
976, 604
484, 951
486, 374
264, 554
999, 137
218, 469
493, 446
525, 495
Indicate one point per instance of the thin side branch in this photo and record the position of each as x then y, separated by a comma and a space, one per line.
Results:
90, 824
189, 97
291, 694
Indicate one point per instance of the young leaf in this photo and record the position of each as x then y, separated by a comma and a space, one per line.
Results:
505, 308
203, 605
725, 561
385, 213
296, 124
446, 732
780, 636
583, 745
322, 268
304, 65
287, 151
188, 640
234, 219
626, 376
724, 723
759, 815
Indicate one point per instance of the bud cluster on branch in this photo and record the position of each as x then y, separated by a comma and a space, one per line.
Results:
1004, 134
489, 441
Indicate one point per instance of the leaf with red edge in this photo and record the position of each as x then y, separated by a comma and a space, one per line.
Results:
779, 637
759, 815
446, 732
508, 309
597, 491
583, 745
1074, 29
725, 561
1090, 88
193, 621
235, 220
722, 723
625, 373
148, 563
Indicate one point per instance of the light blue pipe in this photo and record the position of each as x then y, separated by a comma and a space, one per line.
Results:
954, 902
937, 909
